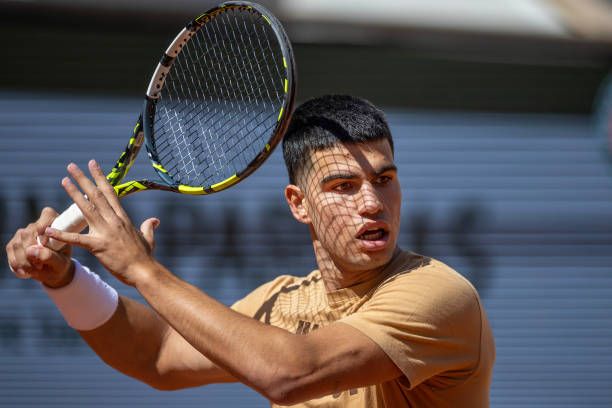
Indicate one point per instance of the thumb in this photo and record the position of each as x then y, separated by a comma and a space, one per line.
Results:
40, 256
148, 230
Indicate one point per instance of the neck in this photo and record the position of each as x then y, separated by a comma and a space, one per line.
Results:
337, 276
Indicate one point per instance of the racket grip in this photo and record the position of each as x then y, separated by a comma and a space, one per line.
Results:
71, 220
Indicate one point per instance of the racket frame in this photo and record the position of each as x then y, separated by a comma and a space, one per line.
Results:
72, 219
157, 83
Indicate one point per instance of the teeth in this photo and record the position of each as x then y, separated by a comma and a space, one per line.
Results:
373, 235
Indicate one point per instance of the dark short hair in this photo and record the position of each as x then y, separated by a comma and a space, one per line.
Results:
326, 121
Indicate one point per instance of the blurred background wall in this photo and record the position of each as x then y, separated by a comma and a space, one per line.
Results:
501, 114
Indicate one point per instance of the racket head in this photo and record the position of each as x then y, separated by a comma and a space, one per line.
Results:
220, 99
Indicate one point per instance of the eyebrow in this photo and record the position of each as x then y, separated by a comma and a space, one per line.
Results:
336, 176
386, 168
350, 176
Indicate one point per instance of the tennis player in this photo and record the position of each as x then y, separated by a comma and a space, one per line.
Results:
373, 326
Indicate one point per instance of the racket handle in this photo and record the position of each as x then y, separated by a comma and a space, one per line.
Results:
71, 220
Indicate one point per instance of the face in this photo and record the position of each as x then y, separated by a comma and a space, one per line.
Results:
351, 199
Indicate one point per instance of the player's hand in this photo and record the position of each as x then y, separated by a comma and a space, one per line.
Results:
30, 260
112, 238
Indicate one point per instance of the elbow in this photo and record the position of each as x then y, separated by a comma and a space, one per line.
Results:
162, 386
281, 396
158, 384
282, 399
287, 395
290, 376
276, 396
288, 386
162, 383
149, 377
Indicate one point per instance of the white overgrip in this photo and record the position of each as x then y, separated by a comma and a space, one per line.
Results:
71, 220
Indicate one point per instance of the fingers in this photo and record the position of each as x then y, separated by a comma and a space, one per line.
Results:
71, 238
40, 256
148, 230
15, 251
95, 204
19, 261
105, 187
50, 268
32, 255
47, 216
16, 258
87, 208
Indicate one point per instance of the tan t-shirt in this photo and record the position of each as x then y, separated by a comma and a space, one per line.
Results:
423, 314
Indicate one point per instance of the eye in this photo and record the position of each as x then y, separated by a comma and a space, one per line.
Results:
383, 180
345, 186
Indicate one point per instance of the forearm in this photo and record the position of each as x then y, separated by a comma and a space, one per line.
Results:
124, 333
233, 343
130, 341
251, 351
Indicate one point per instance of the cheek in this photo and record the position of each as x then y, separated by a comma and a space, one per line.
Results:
394, 199
332, 216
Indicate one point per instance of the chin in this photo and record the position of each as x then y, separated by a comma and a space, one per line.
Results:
358, 258
382, 257
373, 259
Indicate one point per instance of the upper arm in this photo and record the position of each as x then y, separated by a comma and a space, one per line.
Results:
138, 343
180, 365
332, 359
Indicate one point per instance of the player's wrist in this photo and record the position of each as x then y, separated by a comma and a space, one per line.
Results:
87, 302
144, 273
62, 279
148, 277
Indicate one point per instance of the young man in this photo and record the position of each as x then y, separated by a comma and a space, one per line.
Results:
373, 326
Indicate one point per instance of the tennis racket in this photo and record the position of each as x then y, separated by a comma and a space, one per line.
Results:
217, 105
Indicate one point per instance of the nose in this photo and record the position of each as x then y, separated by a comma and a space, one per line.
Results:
369, 201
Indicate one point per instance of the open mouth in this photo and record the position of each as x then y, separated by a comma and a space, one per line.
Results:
373, 235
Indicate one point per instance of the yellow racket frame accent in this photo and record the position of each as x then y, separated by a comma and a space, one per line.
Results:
191, 190
225, 183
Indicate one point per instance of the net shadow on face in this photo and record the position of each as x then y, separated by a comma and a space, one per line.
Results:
352, 198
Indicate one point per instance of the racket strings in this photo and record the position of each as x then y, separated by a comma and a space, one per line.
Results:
221, 100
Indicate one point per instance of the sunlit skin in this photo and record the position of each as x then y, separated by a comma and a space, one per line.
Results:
172, 344
344, 191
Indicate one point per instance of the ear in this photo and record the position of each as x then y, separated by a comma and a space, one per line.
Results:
296, 202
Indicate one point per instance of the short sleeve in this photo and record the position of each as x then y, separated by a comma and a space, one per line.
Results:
428, 321
251, 303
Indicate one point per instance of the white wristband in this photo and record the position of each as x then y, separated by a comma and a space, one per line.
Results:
87, 302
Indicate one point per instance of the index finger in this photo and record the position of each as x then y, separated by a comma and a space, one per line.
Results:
106, 188
47, 216
94, 195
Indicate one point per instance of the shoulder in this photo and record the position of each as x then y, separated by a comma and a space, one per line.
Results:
427, 288
289, 283
421, 274
425, 316
269, 291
